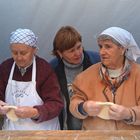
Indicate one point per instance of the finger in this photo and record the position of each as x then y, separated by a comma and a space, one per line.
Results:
2, 103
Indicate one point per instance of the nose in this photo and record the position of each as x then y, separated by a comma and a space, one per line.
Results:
18, 57
102, 51
77, 52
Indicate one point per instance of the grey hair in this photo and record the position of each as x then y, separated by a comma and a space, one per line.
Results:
104, 37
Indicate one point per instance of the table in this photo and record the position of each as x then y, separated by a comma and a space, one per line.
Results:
71, 135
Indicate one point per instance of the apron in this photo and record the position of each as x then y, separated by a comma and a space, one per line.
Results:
24, 94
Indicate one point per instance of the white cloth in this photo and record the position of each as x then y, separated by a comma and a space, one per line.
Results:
24, 36
24, 94
126, 40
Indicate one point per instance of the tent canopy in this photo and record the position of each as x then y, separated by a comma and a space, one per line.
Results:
45, 17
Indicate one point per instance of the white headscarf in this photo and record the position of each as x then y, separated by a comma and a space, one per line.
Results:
126, 40
24, 36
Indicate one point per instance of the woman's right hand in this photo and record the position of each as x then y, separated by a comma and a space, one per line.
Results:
92, 108
3, 110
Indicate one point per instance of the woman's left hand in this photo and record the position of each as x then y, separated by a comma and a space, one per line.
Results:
26, 112
119, 112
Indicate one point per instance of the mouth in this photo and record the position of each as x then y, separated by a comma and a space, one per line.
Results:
78, 58
104, 58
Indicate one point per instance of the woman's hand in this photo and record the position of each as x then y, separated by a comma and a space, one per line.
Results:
119, 112
26, 112
3, 110
92, 108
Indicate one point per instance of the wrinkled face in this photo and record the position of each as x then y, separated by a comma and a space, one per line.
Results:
73, 55
111, 55
22, 54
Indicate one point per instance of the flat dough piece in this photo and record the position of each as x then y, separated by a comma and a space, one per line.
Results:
104, 111
11, 113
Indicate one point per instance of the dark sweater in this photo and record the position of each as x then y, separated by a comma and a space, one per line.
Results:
58, 65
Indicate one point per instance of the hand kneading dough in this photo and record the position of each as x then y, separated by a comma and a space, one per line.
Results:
11, 113
104, 111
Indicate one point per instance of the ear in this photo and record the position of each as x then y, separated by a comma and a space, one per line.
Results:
59, 53
35, 50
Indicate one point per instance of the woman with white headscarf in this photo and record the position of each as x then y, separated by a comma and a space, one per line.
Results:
29, 90
107, 95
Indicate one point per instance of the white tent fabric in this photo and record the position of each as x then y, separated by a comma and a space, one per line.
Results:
45, 17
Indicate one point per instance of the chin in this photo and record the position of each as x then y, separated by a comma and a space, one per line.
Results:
21, 65
78, 62
106, 64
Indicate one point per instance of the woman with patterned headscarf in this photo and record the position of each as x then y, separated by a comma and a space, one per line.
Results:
107, 95
29, 91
